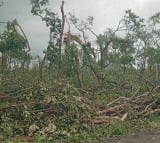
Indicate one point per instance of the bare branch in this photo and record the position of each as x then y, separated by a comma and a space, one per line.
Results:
24, 35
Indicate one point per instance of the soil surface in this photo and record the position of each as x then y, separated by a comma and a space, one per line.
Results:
146, 136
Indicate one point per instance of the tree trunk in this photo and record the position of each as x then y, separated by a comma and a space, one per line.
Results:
60, 45
101, 50
157, 72
42, 66
4, 61
78, 72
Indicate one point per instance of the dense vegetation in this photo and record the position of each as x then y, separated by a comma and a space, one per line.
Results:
56, 98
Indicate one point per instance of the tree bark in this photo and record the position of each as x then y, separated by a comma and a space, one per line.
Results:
157, 72
78, 71
60, 43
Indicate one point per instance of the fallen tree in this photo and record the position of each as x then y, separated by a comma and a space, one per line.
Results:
124, 108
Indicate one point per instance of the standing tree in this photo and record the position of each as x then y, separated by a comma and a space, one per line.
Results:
13, 46
154, 41
146, 38
56, 26
125, 51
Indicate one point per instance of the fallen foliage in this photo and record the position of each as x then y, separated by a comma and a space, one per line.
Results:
124, 108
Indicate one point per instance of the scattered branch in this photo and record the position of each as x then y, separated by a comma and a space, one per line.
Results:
123, 107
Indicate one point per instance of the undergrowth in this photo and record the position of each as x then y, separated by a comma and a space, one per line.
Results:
33, 110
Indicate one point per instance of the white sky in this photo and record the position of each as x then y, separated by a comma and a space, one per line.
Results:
106, 14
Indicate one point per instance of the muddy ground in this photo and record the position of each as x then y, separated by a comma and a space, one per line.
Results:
146, 136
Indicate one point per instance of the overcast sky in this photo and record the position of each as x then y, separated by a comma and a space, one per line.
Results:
106, 14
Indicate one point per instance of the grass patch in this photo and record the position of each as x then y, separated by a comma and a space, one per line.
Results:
118, 129
153, 121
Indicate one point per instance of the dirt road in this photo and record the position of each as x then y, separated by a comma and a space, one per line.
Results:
146, 136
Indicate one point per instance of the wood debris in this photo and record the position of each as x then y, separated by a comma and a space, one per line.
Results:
124, 108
